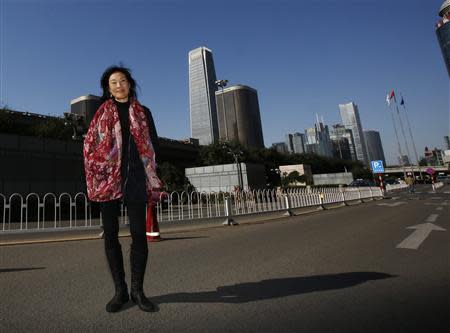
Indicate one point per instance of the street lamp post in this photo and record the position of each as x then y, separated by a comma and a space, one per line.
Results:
222, 84
235, 155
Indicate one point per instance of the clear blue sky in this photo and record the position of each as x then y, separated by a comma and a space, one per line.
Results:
303, 57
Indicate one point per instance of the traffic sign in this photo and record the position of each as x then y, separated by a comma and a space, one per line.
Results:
377, 166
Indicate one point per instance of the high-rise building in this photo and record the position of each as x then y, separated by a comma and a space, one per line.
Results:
296, 143
343, 143
280, 147
318, 140
447, 142
350, 119
375, 150
443, 32
238, 116
202, 100
85, 106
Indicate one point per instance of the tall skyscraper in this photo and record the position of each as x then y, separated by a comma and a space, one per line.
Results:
447, 142
318, 140
350, 119
443, 32
374, 146
343, 143
238, 116
202, 100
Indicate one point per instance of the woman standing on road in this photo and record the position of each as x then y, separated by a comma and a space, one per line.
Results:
119, 161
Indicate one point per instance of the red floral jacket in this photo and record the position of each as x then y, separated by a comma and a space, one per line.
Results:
103, 150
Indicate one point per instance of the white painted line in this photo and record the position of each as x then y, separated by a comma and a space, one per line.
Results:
439, 208
422, 231
432, 218
395, 198
447, 192
436, 204
436, 198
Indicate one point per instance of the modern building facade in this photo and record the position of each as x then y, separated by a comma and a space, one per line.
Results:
280, 147
443, 32
296, 143
447, 142
318, 140
375, 150
343, 144
239, 117
202, 101
351, 120
85, 106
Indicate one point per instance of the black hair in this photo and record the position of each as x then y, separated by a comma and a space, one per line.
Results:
104, 81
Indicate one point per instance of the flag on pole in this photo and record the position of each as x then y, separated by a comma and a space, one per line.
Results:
392, 96
402, 102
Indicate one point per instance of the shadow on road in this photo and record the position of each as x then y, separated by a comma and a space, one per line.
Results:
273, 288
8, 270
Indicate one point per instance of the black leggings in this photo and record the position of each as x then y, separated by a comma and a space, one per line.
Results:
136, 214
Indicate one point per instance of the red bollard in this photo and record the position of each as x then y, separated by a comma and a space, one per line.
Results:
152, 228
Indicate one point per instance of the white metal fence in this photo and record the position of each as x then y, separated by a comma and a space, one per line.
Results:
50, 211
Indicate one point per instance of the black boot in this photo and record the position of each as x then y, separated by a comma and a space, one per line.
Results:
115, 261
138, 263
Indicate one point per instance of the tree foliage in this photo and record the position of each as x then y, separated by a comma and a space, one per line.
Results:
222, 153
173, 178
51, 127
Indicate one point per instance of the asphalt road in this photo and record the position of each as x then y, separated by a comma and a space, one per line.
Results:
339, 270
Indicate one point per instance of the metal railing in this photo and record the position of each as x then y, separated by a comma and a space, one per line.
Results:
50, 211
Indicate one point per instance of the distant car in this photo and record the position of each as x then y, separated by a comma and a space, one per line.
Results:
391, 181
443, 178
362, 182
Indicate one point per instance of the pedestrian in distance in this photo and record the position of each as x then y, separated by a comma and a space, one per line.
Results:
119, 160
409, 180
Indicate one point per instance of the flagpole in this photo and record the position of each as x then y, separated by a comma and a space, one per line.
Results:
410, 134
404, 135
396, 136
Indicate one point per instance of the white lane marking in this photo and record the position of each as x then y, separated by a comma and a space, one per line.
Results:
447, 192
395, 198
392, 204
432, 218
436, 198
436, 204
422, 231
439, 208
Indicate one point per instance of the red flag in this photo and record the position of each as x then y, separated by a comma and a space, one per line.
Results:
392, 96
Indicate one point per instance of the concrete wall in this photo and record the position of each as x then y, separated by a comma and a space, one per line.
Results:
32, 164
224, 177
333, 178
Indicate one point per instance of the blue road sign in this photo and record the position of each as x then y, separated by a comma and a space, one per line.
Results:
377, 166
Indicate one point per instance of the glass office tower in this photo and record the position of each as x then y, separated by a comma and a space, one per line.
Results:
374, 146
350, 119
202, 99
443, 32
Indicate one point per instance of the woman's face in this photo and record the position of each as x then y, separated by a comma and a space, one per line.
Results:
119, 86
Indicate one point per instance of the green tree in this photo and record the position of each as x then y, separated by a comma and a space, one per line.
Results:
173, 178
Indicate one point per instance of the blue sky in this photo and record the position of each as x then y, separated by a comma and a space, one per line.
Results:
303, 57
